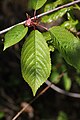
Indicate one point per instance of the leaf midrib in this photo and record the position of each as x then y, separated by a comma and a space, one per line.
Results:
35, 57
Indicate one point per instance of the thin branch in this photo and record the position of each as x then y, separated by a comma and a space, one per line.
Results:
43, 14
59, 90
7, 29
58, 8
78, 33
50, 85
26, 107
42, 92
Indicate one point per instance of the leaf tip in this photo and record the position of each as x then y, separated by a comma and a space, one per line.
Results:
34, 90
4, 48
34, 93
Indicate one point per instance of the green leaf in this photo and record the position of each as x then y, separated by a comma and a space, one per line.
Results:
57, 14
62, 116
47, 37
70, 25
35, 60
54, 77
54, 16
67, 82
37, 4
54, 4
67, 44
14, 35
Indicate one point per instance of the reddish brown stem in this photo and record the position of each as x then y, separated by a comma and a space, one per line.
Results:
42, 27
46, 13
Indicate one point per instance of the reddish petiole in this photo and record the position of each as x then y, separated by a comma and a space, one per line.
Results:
33, 22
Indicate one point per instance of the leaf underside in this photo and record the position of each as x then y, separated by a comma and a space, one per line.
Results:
14, 35
35, 60
67, 44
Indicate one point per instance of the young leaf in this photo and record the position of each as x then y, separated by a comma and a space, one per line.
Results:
67, 44
14, 35
35, 60
36, 4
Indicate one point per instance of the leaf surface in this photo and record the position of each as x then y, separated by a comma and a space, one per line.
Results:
37, 4
67, 44
35, 60
14, 35
47, 37
54, 16
54, 4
